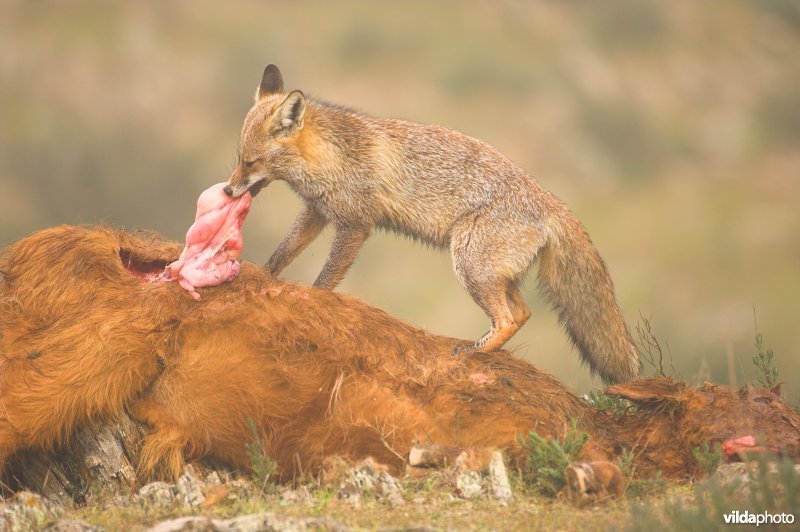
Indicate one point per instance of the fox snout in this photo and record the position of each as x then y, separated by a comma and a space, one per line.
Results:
239, 183
236, 190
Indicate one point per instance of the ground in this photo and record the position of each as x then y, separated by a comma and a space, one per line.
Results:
432, 504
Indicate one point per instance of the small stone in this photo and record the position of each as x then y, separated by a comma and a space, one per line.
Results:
212, 479
299, 496
368, 477
269, 521
743, 475
190, 493
381, 481
469, 485
499, 486
158, 493
70, 525
25, 511
194, 523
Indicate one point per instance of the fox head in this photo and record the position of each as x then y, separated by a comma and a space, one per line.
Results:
268, 148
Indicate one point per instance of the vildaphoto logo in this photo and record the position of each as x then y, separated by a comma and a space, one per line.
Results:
763, 518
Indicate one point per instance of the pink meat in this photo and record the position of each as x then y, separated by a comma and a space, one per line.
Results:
213, 242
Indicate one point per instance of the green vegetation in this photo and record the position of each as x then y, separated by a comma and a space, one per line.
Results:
547, 459
262, 465
646, 487
638, 487
762, 360
708, 457
613, 405
772, 487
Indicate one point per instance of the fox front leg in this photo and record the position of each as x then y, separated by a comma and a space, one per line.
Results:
346, 244
306, 227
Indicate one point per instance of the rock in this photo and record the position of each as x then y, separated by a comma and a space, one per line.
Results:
736, 474
247, 523
299, 496
212, 479
70, 525
158, 493
190, 493
26, 511
482, 472
368, 477
269, 521
499, 486
351, 495
742, 475
469, 484
193, 522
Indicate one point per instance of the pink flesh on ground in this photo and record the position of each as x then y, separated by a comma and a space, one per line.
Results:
213, 242
736, 449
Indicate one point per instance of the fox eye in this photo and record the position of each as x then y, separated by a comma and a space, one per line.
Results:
249, 164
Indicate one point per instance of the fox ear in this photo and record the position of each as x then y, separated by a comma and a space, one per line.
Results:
288, 118
271, 82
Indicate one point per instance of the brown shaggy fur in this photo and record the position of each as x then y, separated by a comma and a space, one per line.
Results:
673, 419
318, 373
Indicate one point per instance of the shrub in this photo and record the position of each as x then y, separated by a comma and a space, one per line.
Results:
547, 459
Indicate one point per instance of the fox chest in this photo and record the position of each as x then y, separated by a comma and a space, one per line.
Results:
339, 202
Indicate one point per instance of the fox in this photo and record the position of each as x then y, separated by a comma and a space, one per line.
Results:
443, 188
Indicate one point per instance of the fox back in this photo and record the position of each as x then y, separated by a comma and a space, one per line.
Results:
413, 179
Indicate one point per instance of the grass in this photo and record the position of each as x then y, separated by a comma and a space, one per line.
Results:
437, 508
700, 506
772, 487
762, 360
637, 487
648, 504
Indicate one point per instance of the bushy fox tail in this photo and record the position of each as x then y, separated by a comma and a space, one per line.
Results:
576, 281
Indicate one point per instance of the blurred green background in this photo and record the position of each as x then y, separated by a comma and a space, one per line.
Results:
671, 129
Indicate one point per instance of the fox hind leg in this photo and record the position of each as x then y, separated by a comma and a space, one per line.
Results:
490, 270
506, 310
499, 299
494, 301
519, 309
